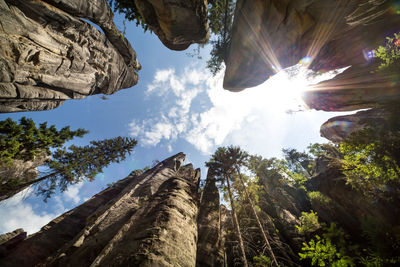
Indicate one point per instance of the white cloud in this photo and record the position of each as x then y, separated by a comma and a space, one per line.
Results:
14, 214
256, 118
72, 193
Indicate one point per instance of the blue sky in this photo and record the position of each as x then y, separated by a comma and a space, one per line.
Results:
177, 106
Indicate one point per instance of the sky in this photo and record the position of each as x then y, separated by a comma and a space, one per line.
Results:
177, 106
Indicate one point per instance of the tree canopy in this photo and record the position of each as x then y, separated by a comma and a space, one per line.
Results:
72, 165
24, 140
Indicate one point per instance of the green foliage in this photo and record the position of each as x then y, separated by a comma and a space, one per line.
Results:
224, 161
77, 163
220, 17
322, 252
330, 250
326, 150
371, 156
390, 53
262, 261
24, 140
316, 196
309, 223
299, 162
129, 9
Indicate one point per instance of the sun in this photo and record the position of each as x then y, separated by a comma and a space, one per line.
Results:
285, 89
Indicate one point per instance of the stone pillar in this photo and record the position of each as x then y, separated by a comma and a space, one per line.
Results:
145, 220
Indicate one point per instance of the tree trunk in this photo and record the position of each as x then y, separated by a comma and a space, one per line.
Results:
257, 219
9, 191
236, 223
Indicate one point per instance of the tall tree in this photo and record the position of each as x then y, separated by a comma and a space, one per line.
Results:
298, 162
222, 167
24, 140
72, 165
240, 158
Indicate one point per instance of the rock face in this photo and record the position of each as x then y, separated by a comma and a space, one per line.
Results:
339, 128
210, 244
145, 220
178, 23
49, 54
348, 207
18, 172
358, 87
269, 35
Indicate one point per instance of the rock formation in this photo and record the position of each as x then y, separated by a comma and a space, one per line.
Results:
339, 128
18, 172
49, 54
156, 218
178, 23
210, 244
145, 220
348, 207
273, 34
358, 87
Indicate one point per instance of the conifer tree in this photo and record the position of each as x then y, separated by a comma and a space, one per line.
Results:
222, 167
71, 166
24, 140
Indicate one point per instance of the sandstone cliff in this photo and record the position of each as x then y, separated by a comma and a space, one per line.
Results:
271, 35
48, 54
15, 174
340, 128
177, 23
145, 220
210, 244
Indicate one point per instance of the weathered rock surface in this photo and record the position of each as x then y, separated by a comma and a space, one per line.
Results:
358, 87
340, 128
15, 174
178, 23
8, 236
210, 244
49, 54
348, 207
274, 34
146, 220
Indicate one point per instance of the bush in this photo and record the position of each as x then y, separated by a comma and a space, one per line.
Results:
322, 252
309, 223
390, 53
318, 197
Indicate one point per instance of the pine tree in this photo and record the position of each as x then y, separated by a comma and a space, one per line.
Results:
222, 166
24, 140
79, 163
73, 165
227, 162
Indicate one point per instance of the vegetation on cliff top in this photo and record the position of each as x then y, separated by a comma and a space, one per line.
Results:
251, 184
220, 19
